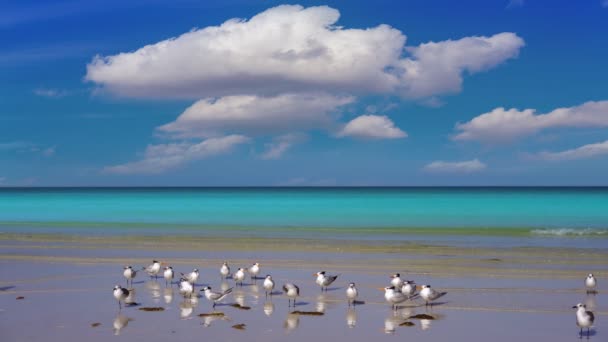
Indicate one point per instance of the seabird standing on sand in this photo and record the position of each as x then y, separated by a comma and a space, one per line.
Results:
168, 274
121, 294
292, 291
191, 277
590, 283
153, 269
409, 288
185, 288
215, 296
224, 270
584, 318
396, 281
268, 285
129, 273
325, 280
254, 270
239, 276
351, 294
429, 294
393, 296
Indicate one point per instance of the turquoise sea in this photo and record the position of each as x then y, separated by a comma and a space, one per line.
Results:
537, 214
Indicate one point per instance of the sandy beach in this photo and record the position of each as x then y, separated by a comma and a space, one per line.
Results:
500, 294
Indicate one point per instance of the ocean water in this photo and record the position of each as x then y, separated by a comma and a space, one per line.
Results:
369, 212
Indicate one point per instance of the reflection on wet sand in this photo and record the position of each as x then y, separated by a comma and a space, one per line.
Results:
120, 322
239, 296
351, 317
224, 286
130, 300
268, 308
168, 295
590, 302
324, 301
425, 324
186, 307
392, 322
207, 320
154, 288
292, 322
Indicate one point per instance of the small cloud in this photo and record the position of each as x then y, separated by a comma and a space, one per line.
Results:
583, 152
281, 144
51, 93
605, 3
468, 166
27, 147
49, 152
161, 158
506, 125
515, 4
372, 127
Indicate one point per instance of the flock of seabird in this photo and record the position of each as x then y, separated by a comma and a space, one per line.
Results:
398, 292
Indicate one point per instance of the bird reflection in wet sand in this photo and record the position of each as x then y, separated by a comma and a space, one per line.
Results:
391, 323
186, 308
224, 286
207, 320
168, 295
120, 322
130, 300
351, 317
268, 308
239, 296
321, 304
155, 289
292, 322
425, 324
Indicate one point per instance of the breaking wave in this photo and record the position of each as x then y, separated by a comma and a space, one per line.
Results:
571, 232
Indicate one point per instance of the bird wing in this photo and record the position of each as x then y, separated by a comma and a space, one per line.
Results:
591, 316
124, 291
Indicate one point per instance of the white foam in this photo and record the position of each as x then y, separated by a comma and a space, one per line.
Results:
570, 232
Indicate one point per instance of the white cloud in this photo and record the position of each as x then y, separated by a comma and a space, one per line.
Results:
515, 3
256, 115
502, 125
437, 67
372, 127
468, 166
289, 49
50, 93
605, 3
281, 144
583, 152
27, 147
164, 157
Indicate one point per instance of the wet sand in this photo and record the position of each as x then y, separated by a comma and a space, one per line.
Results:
493, 294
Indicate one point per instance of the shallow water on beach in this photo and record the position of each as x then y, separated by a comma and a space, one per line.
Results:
63, 300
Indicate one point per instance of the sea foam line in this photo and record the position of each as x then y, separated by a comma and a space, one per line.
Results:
570, 232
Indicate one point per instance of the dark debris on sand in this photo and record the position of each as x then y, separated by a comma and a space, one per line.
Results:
240, 326
407, 324
422, 316
308, 313
212, 314
157, 308
239, 306
20, 298
95, 325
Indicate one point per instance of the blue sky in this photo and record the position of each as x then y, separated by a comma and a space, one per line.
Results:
324, 93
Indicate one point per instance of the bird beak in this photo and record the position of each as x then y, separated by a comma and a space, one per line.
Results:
381, 288
418, 287
315, 274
